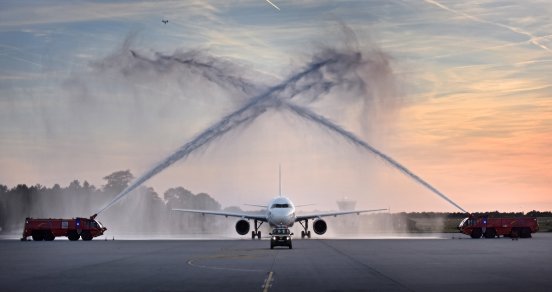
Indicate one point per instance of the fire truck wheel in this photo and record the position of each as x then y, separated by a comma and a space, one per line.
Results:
525, 233
490, 233
476, 233
37, 235
86, 235
48, 235
73, 235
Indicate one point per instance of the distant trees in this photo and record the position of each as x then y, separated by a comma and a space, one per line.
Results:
181, 198
118, 181
3, 206
178, 197
144, 211
535, 213
490, 214
141, 212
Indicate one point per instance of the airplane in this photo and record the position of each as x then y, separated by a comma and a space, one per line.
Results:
165, 21
280, 212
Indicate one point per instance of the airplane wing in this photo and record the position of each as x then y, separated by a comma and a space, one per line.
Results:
326, 214
304, 205
253, 205
260, 217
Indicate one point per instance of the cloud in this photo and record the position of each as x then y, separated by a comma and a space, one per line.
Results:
39, 13
532, 38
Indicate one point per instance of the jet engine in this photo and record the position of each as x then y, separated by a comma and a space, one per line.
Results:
242, 227
319, 226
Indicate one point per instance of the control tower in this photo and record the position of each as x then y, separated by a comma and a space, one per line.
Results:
346, 204
346, 225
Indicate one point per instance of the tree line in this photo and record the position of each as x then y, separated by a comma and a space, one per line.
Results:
149, 213
489, 214
144, 211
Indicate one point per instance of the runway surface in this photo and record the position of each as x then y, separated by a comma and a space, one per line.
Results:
312, 265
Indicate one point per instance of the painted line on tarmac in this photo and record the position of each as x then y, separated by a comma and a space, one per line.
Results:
268, 282
193, 264
371, 269
231, 254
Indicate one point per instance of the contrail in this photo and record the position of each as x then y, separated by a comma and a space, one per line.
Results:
489, 48
273, 4
23, 60
336, 129
532, 38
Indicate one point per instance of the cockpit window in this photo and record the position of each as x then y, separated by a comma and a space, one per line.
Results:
280, 206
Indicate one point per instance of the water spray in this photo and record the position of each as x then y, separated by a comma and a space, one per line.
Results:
336, 129
325, 72
211, 68
247, 113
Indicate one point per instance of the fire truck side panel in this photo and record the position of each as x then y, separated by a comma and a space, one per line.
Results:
492, 227
48, 229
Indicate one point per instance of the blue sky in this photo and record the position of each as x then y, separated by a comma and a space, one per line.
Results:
471, 108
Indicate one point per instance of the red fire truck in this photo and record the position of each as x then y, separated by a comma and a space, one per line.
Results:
49, 229
495, 227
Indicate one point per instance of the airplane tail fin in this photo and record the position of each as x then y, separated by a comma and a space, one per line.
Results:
280, 180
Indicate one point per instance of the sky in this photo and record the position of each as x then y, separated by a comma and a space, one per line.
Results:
465, 101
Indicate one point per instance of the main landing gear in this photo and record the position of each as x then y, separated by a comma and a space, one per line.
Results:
306, 232
256, 232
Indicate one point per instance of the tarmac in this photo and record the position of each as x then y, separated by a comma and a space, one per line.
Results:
417, 264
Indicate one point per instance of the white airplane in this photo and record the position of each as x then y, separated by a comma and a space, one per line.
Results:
280, 212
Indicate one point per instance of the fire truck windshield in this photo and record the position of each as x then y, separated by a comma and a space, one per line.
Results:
463, 222
98, 224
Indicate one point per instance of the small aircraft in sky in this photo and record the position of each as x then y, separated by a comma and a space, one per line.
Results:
165, 21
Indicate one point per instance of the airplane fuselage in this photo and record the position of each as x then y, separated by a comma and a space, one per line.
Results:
281, 212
